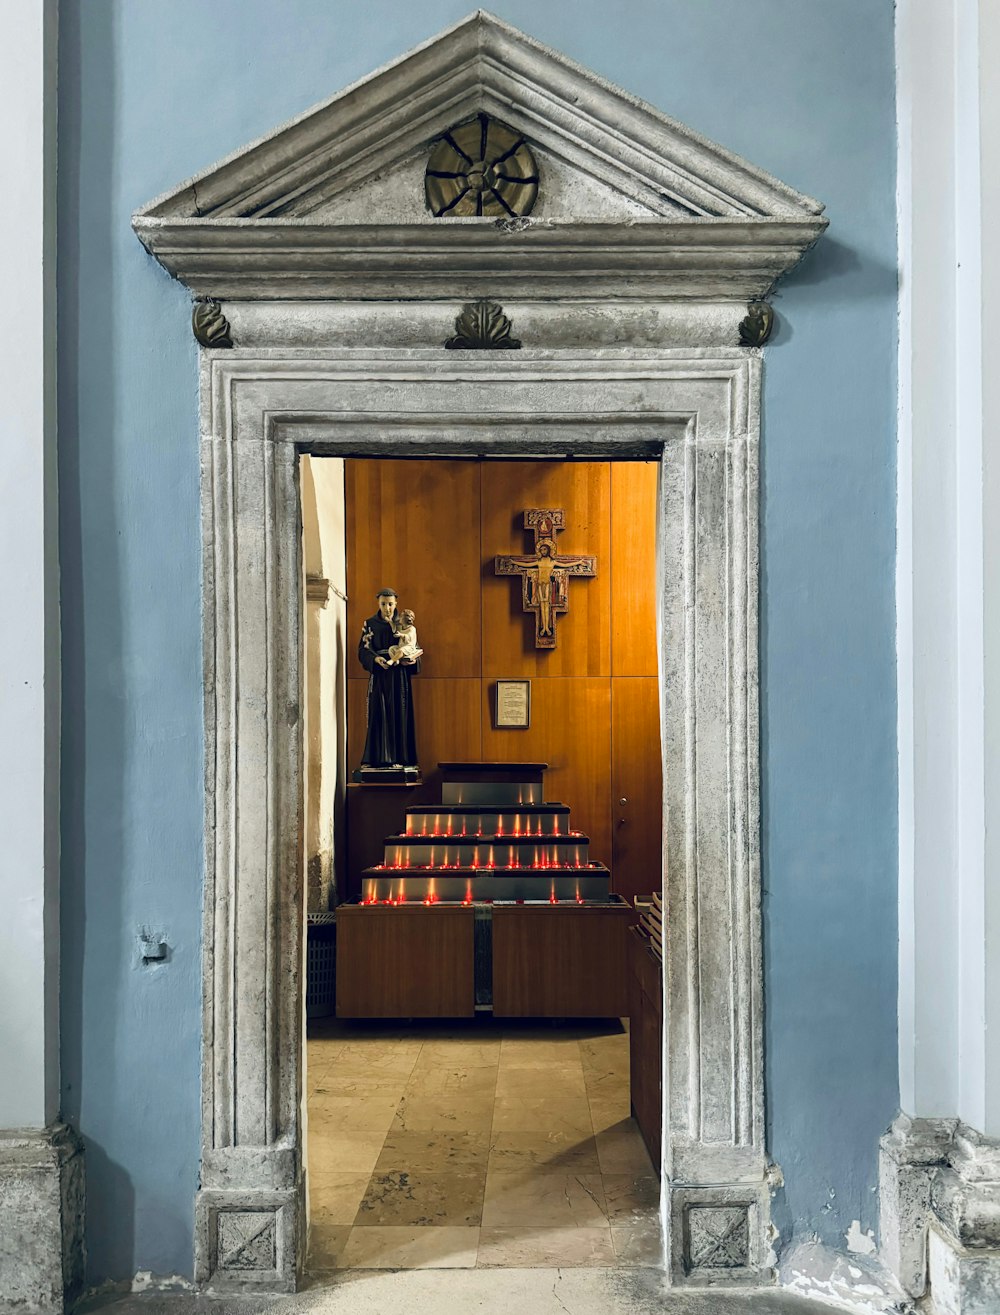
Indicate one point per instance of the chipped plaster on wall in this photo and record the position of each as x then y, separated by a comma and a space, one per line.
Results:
860, 1242
857, 1283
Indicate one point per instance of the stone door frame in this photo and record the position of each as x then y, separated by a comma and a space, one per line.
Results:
262, 408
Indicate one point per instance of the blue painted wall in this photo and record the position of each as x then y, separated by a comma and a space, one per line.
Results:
152, 93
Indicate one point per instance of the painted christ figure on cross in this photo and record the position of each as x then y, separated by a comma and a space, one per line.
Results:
545, 573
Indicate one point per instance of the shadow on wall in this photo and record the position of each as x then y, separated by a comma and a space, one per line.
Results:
131, 684
847, 277
827, 734
91, 658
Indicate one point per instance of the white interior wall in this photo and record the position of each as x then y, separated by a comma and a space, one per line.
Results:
29, 584
324, 549
948, 531
328, 474
989, 202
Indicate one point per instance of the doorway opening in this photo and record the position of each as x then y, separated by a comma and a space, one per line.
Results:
474, 1095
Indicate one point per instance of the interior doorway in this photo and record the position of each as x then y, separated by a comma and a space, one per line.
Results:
698, 411
482, 1140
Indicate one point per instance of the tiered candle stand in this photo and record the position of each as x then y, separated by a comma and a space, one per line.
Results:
488, 901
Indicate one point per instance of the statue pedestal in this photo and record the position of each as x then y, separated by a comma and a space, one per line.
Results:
387, 776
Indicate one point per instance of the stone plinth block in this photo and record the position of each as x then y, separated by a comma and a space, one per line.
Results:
963, 1280
41, 1219
717, 1235
248, 1240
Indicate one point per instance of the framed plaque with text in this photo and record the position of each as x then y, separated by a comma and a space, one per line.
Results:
512, 711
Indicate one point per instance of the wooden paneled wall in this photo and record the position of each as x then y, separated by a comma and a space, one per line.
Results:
430, 530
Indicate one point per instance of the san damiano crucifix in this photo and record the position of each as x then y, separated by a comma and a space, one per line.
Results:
545, 573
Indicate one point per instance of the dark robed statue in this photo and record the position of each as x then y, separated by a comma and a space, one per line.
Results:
388, 653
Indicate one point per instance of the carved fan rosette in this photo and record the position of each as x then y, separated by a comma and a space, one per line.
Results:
481, 167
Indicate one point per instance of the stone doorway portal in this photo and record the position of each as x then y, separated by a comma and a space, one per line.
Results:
328, 300
698, 409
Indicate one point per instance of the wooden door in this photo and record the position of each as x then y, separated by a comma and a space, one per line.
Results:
636, 786
636, 771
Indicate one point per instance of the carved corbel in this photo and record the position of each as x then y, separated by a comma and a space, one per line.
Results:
755, 328
209, 325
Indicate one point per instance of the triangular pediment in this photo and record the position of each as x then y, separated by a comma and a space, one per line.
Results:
357, 162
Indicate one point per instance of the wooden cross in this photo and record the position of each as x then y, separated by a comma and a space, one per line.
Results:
545, 573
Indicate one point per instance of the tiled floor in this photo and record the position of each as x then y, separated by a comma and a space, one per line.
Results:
474, 1146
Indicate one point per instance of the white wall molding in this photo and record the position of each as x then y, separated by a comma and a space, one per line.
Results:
989, 180
948, 648
41, 1163
943, 519
29, 803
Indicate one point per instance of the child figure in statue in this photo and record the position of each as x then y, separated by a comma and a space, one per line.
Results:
405, 648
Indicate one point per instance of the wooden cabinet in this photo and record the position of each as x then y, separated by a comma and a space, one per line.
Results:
548, 961
645, 990
559, 962
406, 961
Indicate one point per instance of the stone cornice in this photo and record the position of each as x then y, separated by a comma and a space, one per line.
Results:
665, 213
711, 259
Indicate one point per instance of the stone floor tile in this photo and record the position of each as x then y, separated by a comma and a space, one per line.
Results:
340, 1115
638, 1243
610, 1049
606, 1080
411, 1248
401, 1197
609, 1111
535, 1114
621, 1150
452, 1081
444, 1114
513, 1151
536, 1198
334, 1196
434, 1151
631, 1198
540, 1053
362, 1089
376, 1063
344, 1153
363, 1031
326, 1245
533, 1247
467, 1054
545, 1083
